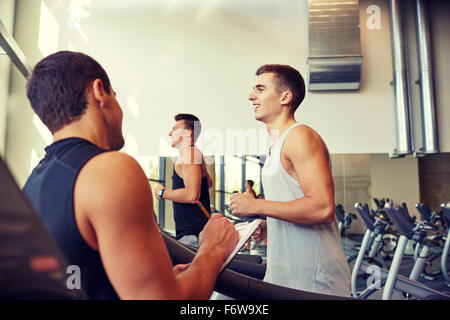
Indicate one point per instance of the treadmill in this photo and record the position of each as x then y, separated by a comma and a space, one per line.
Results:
31, 265
33, 268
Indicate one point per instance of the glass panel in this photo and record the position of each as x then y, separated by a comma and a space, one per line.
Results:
217, 182
153, 176
153, 171
169, 223
252, 172
233, 176
352, 183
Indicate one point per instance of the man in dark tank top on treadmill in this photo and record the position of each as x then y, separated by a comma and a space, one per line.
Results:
190, 181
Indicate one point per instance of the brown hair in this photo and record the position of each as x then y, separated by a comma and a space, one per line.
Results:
286, 78
192, 123
56, 88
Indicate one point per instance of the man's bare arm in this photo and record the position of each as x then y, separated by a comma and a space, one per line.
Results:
191, 172
210, 180
192, 178
308, 157
119, 207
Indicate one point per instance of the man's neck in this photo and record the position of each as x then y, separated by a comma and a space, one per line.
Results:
183, 147
277, 127
187, 154
80, 129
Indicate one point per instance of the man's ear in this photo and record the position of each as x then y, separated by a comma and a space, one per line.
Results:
98, 92
286, 98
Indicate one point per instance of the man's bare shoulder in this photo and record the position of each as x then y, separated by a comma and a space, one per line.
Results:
304, 140
111, 170
303, 134
113, 160
116, 156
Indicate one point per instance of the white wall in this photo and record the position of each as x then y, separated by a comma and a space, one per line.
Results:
7, 19
181, 61
25, 142
200, 58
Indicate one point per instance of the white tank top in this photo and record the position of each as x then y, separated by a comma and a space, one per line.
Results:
305, 257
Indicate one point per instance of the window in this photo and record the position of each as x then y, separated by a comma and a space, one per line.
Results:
233, 176
155, 175
253, 172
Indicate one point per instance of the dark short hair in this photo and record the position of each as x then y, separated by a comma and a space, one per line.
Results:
288, 78
56, 88
250, 183
192, 123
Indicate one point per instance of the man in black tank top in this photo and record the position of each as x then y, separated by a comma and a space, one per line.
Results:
97, 203
190, 181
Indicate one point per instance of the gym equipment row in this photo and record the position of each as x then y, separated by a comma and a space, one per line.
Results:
388, 230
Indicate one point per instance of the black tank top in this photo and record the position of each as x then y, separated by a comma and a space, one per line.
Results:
50, 189
189, 219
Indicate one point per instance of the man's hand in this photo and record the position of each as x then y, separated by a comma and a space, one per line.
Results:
242, 204
219, 234
179, 268
261, 232
156, 191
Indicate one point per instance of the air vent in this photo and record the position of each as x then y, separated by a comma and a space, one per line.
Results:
334, 45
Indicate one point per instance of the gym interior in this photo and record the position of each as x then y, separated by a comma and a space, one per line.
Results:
376, 94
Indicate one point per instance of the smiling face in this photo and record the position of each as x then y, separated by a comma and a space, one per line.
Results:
266, 100
179, 133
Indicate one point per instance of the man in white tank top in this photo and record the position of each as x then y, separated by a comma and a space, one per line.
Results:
304, 249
